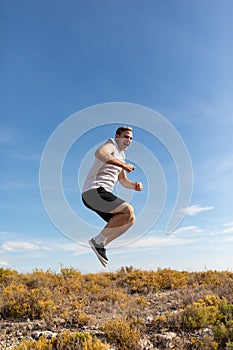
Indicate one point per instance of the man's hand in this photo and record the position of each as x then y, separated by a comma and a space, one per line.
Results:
138, 186
129, 167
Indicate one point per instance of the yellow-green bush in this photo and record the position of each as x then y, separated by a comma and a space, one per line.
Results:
15, 302
201, 313
19, 302
114, 296
66, 341
77, 315
151, 281
212, 312
7, 275
223, 332
122, 333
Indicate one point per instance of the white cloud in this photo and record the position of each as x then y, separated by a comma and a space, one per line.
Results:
15, 246
227, 239
228, 224
3, 263
159, 241
195, 209
188, 229
76, 248
19, 245
43, 247
144, 243
228, 230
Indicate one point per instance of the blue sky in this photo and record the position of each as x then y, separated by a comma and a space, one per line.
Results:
174, 57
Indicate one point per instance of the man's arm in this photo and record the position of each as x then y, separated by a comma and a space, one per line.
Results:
105, 154
127, 183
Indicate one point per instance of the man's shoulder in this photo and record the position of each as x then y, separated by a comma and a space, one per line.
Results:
111, 144
110, 141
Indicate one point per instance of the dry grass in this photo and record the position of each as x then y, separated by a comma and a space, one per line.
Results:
125, 305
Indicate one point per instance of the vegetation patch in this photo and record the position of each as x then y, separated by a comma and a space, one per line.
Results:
123, 308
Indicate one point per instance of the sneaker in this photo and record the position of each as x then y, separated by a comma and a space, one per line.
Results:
100, 251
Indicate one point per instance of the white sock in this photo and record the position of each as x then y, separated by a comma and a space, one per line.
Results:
100, 238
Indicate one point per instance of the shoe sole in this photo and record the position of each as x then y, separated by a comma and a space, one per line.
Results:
101, 259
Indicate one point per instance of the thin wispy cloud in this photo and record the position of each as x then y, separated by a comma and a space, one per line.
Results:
158, 242
152, 242
228, 224
146, 243
16, 246
75, 248
228, 230
227, 239
188, 230
196, 209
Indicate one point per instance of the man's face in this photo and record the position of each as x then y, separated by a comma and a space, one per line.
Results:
124, 139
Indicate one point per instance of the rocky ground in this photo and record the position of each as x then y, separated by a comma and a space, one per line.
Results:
12, 334
157, 304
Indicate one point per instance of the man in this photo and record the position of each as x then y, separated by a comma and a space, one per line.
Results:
109, 167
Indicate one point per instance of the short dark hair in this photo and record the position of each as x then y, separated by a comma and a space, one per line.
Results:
123, 128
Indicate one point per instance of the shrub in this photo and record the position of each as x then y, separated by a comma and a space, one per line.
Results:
223, 332
210, 312
77, 315
122, 333
151, 281
200, 314
7, 275
15, 302
19, 302
66, 341
114, 296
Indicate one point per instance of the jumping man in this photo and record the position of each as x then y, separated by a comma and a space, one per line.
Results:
109, 167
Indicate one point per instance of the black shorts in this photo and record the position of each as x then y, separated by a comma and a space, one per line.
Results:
102, 202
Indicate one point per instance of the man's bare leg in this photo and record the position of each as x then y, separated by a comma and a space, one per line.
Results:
122, 220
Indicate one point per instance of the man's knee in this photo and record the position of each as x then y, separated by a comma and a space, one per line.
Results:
129, 213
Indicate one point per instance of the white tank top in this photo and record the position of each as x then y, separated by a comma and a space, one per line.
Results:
103, 174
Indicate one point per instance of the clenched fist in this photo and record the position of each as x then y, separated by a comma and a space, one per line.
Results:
138, 186
129, 167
